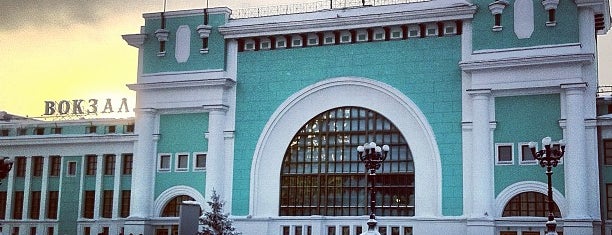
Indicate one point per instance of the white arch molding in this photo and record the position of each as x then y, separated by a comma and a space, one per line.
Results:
173, 192
298, 109
528, 186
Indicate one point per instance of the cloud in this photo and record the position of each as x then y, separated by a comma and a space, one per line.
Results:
16, 14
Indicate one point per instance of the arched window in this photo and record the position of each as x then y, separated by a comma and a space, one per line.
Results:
172, 208
322, 175
529, 204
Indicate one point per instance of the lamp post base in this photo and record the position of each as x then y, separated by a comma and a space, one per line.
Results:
551, 227
372, 228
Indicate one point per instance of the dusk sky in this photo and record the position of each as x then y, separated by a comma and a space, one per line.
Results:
66, 49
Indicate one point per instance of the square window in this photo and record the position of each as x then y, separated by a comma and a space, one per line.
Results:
313, 41
379, 36
448, 30
504, 154
280, 44
91, 129
200, 161
345, 39
526, 155
39, 131
249, 46
182, 162
330, 40
362, 37
111, 129
432, 31
265, 45
296, 42
414, 33
396, 34
129, 128
164, 162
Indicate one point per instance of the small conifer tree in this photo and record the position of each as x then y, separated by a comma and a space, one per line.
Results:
215, 222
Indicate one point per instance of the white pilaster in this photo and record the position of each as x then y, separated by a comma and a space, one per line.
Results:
575, 160
27, 189
44, 189
142, 185
480, 220
215, 167
98, 192
117, 185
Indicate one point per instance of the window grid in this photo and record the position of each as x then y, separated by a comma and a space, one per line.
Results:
3, 197
127, 164
88, 205
200, 161
172, 208
34, 204
109, 164
92, 161
18, 205
20, 166
526, 155
532, 204
55, 165
37, 166
504, 153
182, 162
164, 162
608, 152
322, 175
107, 204
125, 203
52, 204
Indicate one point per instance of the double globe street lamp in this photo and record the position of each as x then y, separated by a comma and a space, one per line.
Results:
372, 156
549, 157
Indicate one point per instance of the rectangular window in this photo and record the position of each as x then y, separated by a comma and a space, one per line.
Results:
182, 161
32, 230
89, 203
2, 205
396, 34
526, 155
91, 129
249, 46
125, 203
296, 42
379, 36
200, 161
164, 162
330, 40
92, 162
608, 151
111, 129
86, 231
345, 39
504, 154
55, 164
37, 166
362, 37
107, 204
331, 230
127, 164
34, 204
18, 205
313, 41
281, 44
414, 31
52, 204
265, 45
50, 230
20, 166
56, 130
21, 131
4, 132
109, 164
72, 169
128, 128
39, 131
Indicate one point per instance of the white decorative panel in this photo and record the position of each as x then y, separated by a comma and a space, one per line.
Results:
523, 18
183, 44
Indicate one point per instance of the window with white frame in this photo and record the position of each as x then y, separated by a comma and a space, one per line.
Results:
281, 42
249, 45
345, 37
450, 28
164, 162
329, 38
265, 44
525, 154
296, 41
396, 33
199, 161
362, 35
72, 169
414, 31
313, 39
379, 34
182, 161
432, 30
504, 154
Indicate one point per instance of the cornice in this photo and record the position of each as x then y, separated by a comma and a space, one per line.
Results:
67, 139
338, 20
221, 82
191, 12
135, 40
474, 65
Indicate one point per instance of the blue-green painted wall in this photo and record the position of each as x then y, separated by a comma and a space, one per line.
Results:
566, 30
181, 133
214, 59
523, 119
424, 69
69, 197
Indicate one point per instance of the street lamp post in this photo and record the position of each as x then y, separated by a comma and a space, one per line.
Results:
5, 166
549, 158
372, 156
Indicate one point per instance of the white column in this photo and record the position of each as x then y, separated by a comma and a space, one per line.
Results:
27, 189
117, 185
215, 167
44, 189
141, 200
575, 165
482, 159
98, 192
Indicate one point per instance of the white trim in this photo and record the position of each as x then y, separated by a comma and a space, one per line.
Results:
528, 186
314, 99
195, 159
177, 156
504, 163
520, 154
158, 163
175, 191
